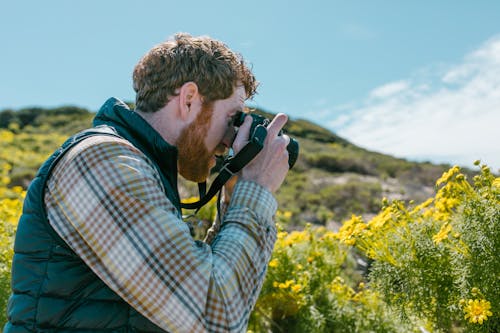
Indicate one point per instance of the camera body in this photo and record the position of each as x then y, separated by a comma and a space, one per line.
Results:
293, 145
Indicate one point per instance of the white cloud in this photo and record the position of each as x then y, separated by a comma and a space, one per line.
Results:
451, 117
389, 89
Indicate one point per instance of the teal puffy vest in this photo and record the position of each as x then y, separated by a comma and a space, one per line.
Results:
52, 288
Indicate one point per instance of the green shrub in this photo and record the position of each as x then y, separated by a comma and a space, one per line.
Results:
439, 260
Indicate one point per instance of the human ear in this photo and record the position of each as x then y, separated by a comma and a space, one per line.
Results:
188, 95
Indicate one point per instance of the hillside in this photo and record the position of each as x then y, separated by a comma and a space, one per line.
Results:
332, 179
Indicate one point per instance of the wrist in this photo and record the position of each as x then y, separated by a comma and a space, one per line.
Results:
255, 197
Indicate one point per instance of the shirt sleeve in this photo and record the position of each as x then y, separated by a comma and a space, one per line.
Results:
106, 200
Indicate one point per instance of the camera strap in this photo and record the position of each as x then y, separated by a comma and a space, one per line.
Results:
231, 166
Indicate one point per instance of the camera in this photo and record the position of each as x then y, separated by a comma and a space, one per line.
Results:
233, 164
293, 145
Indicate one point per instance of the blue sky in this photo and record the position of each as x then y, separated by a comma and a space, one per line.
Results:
419, 80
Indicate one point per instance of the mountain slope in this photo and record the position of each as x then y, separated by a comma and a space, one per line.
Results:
331, 180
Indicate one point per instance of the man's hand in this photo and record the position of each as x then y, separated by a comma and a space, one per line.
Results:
270, 166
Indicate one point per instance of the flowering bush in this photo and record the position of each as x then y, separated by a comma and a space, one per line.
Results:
438, 260
312, 286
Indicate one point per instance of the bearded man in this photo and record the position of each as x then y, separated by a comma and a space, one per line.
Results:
101, 245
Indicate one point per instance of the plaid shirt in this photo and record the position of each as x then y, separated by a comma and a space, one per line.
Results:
106, 200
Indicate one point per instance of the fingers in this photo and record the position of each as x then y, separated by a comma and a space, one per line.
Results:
279, 142
286, 139
273, 130
277, 124
243, 135
270, 166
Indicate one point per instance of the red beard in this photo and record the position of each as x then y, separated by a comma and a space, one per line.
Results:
194, 158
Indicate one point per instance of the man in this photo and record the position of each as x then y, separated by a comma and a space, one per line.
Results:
101, 246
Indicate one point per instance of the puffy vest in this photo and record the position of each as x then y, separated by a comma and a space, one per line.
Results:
53, 290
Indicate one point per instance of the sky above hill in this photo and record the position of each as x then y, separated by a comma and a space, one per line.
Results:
419, 80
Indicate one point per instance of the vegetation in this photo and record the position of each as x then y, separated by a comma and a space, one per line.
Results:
11, 199
439, 259
346, 260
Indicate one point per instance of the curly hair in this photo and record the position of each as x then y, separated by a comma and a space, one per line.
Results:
207, 62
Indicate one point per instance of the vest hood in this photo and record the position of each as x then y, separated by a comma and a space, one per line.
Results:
117, 114
134, 128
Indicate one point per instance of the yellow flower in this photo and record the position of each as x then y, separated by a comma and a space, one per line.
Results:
296, 288
477, 311
442, 234
6, 136
285, 285
351, 229
273, 263
283, 217
448, 175
282, 235
422, 207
